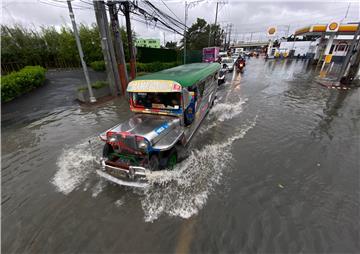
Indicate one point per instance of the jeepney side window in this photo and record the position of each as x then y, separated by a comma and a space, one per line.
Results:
193, 89
171, 100
201, 87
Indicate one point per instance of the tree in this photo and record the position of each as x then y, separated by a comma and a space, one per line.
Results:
197, 36
171, 44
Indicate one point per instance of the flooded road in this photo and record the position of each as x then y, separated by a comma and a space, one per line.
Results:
273, 168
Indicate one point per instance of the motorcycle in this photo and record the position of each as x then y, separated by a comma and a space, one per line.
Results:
240, 66
221, 77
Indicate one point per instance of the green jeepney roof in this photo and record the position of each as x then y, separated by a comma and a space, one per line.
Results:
186, 75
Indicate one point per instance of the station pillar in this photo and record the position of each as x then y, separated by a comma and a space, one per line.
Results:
327, 55
318, 48
328, 45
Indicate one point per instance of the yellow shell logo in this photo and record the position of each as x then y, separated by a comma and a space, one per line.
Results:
271, 30
333, 26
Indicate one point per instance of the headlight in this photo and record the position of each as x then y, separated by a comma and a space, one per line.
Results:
142, 144
112, 137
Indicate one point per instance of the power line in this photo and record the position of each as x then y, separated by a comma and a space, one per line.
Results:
170, 10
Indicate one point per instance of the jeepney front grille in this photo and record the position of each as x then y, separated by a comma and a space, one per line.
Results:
129, 141
123, 142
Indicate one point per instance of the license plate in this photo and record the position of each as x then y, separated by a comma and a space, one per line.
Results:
117, 173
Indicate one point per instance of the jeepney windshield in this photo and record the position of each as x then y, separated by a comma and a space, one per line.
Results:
152, 100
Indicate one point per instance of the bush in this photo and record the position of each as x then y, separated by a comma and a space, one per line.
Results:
20, 82
98, 65
140, 67
153, 67
96, 85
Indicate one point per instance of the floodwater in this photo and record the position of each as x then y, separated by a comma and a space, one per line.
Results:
273, 168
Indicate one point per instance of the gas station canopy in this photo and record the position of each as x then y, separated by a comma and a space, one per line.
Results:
327, 29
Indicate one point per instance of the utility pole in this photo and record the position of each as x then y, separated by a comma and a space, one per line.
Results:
126, 11
251, 36
186, 7
118, 45
107, 47
216, 15
354, 49
229, 36
225, 42
81, 54
288, 30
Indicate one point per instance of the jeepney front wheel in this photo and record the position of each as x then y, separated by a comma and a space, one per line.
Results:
154, 162
171, 159
108, 151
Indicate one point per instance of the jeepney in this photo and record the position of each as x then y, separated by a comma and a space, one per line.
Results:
169, 106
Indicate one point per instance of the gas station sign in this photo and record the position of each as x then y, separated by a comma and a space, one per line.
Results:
332, 27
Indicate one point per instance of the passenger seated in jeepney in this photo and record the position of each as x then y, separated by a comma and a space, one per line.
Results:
157, 100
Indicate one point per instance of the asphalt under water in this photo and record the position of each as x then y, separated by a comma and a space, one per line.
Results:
273, 168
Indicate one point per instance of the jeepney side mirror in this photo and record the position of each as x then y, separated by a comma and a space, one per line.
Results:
187, 98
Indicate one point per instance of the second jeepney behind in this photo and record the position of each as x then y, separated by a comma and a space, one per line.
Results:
169, 106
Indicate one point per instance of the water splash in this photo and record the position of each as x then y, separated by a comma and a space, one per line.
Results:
74, 166
185, 190
98, 188
221, 112
120, 202
227, 110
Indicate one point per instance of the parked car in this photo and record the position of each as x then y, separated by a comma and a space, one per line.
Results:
229, 62
223, 54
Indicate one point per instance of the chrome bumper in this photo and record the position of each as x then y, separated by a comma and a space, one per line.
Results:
134, 177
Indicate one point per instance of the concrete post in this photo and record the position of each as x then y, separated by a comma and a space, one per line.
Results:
329, 43
327, 49
318, 47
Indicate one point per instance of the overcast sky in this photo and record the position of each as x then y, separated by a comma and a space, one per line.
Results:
246, 16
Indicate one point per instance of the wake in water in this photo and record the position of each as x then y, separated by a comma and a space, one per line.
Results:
184, 191
221, 112
74, 166
227, 110
181, 192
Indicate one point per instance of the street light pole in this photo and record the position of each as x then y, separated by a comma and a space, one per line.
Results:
81, 54
186, 7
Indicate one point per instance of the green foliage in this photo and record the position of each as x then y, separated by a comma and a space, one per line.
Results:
140, 67
50, 47
98, 65
149, 55
155, 66
99, 84
17, 83
197, 36
96, 85
171, 44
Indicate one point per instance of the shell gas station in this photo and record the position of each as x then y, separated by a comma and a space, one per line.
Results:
333, 42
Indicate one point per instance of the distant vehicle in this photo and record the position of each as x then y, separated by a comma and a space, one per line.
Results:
222, 74
234, 57
229, 62
210, 54
169, 106
240, 64
239, 50
223, 54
